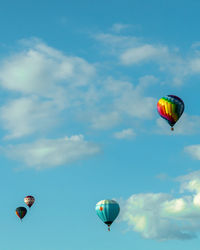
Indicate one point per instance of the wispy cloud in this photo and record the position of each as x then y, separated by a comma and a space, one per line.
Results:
194, 151
161, 216
143, 53
24, 116
47, 83
118, 27
116, 43
48, 153
105, 120
134, 51
119, 100
125, 134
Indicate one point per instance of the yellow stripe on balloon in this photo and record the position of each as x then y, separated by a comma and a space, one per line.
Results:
170, 108
160, 102
166, 107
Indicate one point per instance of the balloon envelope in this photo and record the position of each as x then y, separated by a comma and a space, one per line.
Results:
107, 210
21, 212
170, 108
29, 200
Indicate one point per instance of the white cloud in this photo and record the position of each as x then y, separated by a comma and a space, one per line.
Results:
194, 61
131, 51
117, 43
39, 68
105, 121
128, 99
168, 60
190, 182
25, 116
143, 53
48, 83
47, 78
116, 101
194, 65
118, 27
164, 217
134, 105
194, 151
46, 153
125, 134
162, 176
195, 45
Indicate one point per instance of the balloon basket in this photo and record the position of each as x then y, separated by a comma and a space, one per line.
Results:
172, 129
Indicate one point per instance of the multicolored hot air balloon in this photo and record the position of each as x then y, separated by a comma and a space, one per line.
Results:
21, 212
29, 200
107, 210
170, 107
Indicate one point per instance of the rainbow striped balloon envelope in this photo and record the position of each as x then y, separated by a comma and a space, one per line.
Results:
170, 108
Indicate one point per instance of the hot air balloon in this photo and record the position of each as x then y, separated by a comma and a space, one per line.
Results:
21, 212
170, 107
107, 210
29, 200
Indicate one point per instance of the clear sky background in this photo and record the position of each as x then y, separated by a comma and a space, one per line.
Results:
79, 82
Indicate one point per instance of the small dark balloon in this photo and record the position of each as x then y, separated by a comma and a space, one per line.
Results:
21, 212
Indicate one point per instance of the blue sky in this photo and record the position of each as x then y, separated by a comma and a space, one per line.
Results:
79, 82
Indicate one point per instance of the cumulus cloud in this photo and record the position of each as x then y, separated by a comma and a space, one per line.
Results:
48, 153
25, 116
161, 216
38, 69
46, 82
190, 182
125, 134
49, 83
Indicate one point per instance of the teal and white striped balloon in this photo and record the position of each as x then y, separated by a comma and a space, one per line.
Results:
107, 210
